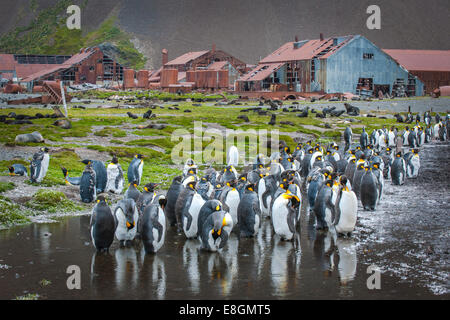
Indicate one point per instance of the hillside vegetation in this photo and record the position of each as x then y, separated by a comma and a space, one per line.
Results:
47, 33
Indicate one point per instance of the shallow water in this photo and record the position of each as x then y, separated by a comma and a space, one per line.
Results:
407, 238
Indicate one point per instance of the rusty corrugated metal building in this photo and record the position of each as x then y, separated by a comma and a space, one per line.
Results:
331, 65
430, 66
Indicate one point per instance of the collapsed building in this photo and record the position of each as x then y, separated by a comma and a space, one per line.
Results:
203, 70
347, 64
432, 67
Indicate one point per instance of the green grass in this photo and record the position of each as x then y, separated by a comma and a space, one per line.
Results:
6, 186
52, 202
11, 214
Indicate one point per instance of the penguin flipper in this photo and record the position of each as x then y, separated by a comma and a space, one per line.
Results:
338, 209
223, 239
291, 219
158, 226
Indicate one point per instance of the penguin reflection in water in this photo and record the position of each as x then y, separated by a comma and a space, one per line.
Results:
346, 209
103, 225
127, 217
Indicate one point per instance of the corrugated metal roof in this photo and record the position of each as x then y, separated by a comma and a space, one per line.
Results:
307, 49
74, 60
185, 58
261, 72
7, 62
218, 65
421, 60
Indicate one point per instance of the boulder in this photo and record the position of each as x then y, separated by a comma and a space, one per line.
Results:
30, 137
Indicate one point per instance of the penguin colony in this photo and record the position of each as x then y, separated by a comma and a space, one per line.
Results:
210, 207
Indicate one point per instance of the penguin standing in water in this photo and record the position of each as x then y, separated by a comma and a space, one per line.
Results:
39, 165
172, 195
152, 225
146, 197
188, 208
115, 180
135, 169
359, 172
348, 134
284, 213
215, 231
18, 170
324, 208
231, 198
378, 173
207, 209
267, 187
346, 209
101, 174
103, 225
412, 161
70, 181
249, 213
127, 218
398, 170
88, 191
133, 192
370, 192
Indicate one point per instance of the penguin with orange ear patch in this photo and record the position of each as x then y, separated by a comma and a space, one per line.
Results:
127, 217
249, 213
284, 213
398, 170
324, 201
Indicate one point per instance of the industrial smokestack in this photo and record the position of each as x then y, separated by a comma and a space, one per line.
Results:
296, 38
165, 56
321, 36
213, 48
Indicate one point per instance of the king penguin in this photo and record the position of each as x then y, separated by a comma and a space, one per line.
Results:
412, 160
230, 198
172, 196
249, 213
364, 139
18, 170
133, 192
101, 174
127, 218
398, 170
208, 208
348, 134
115, 181
103, 225
369, 192
324, 201
39, 165
135, 169
188, 208
215, 231
346, 209
152, 225
284, 212
88, 192
146, 197
70, 181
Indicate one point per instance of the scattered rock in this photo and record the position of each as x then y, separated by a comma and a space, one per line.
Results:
63, 123
131, 115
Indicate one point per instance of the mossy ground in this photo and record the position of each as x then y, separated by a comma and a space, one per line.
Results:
52, 202
111, 132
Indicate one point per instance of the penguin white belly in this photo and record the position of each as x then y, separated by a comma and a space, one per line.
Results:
349, 208
162, 220
122, 232
213, 246
112, 174
232, 202
279, 219
436, 131
140, 169
261, 190
336, 156
382, 142
44, 167
416, 163
391, 139
194, 209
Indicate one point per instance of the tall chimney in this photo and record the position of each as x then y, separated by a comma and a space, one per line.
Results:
165, 56
321, 36
296, 38
213, 48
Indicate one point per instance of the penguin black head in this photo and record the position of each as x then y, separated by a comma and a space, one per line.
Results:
398, 154
45, 149
192, 171
150, 187
87, 162
11, 171
415, 151
250, 187
343, 180
376, 165
311, 151
139, 156
232, 183
134, 183
115, 160
319, 158
329, 183
192, 185
243, 177
309, 142
353, 160
101, 198
219, 186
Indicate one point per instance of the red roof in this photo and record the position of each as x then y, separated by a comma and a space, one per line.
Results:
185, 58
306, 50
421, 60
218, 65
74, 60
261, 72
7, 62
